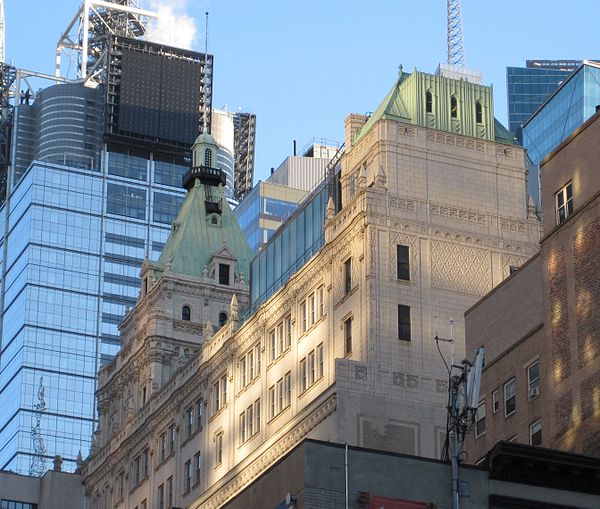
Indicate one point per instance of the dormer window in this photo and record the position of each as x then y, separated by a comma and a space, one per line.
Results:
478, 113
222, 318
207, 157
186, 313
223, 274
453, 107
214, 219
428, 102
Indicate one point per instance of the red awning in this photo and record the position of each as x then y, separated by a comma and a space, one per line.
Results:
376, 502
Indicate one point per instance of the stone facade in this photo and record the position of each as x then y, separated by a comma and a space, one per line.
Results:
344, 351
548, 313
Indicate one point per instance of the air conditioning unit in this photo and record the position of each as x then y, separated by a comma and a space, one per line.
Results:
534, 392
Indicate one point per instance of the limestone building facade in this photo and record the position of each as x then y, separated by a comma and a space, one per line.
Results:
541, 327
433, 216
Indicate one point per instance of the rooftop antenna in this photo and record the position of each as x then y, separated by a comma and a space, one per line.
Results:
37, 466
205, 116
456, 50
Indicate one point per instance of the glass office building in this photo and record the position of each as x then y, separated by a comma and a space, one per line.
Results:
75, 232
569, 106
528, 87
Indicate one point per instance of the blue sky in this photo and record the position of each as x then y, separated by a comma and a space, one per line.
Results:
303, 66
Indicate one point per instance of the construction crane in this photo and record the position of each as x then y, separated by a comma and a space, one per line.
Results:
456, 50
37, 467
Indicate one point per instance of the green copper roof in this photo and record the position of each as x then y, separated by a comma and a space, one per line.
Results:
194, 239
406, 102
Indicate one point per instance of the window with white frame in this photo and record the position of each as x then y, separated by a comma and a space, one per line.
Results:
480, 419
197, 468
564, 203
348, 276
189, 421
249, 366
218, 448
311, 368
280, 338
172, 438
272, 412
535, 433
495, 401
220, 393
510, 398
249, 422
312, 309
303, 317
170, 492
348, 336
533, 380
199, 413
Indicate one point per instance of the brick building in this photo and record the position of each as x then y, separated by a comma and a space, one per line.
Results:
541, 327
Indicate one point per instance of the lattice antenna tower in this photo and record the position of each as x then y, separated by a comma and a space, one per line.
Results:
456, 50
37, 466
85, 40
2, 33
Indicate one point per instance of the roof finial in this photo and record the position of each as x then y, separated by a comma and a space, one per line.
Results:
400, 71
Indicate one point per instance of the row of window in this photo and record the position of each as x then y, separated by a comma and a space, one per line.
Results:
280, 395
312, 309
311, 368
280, 338
453, 107
191, 477
249, 366
510, 400
249, 423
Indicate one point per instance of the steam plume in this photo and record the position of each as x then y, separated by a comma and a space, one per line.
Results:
173, 27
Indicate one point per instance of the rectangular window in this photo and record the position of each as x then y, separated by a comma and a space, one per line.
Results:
187, 476
189, 418
271, 402
272, 345
197, 467
199, 409
312, 310
258, 359
223, 274
303, 385
402, 263
249, 421
320, 361
161, 497
347, 276
510, 403
250, 362
121, 486
136, 470
257, 416
163, 447
126, 201
288, 332
495, 401
535, 433
480, 420
172, 436
144, 504
321, 297
303, 316
280, 338
219, 448
564, 203
404, 323
348, 336
224, 390
242, 427
280, 395
311, 368
287, 385
243, 380
170, 492
533, 380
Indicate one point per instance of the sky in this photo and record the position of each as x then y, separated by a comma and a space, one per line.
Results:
302, 67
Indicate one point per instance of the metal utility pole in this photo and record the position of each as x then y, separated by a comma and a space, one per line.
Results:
463, 398
456, 50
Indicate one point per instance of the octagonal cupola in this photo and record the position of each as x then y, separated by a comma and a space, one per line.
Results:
204, 163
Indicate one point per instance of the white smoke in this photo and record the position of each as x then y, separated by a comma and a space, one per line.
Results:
173, 27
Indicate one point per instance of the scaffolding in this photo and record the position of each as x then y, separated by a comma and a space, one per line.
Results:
244, 149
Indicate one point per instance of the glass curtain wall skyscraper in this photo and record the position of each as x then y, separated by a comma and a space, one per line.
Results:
93, 194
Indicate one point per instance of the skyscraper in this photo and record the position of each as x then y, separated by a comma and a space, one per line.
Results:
244, 147
96, 177
528, 87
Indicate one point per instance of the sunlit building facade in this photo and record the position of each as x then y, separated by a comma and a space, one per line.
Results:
541, 327
205, 396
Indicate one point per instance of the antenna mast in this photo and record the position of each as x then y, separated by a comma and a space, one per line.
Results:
37, 466
2, 33
456, 50
205, 78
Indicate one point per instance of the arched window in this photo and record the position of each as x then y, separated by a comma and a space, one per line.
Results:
428, 102
222, 318
478, 113
207, 157
453, 107
186, 313
214, 219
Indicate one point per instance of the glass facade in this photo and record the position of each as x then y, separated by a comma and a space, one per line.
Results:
76, 241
